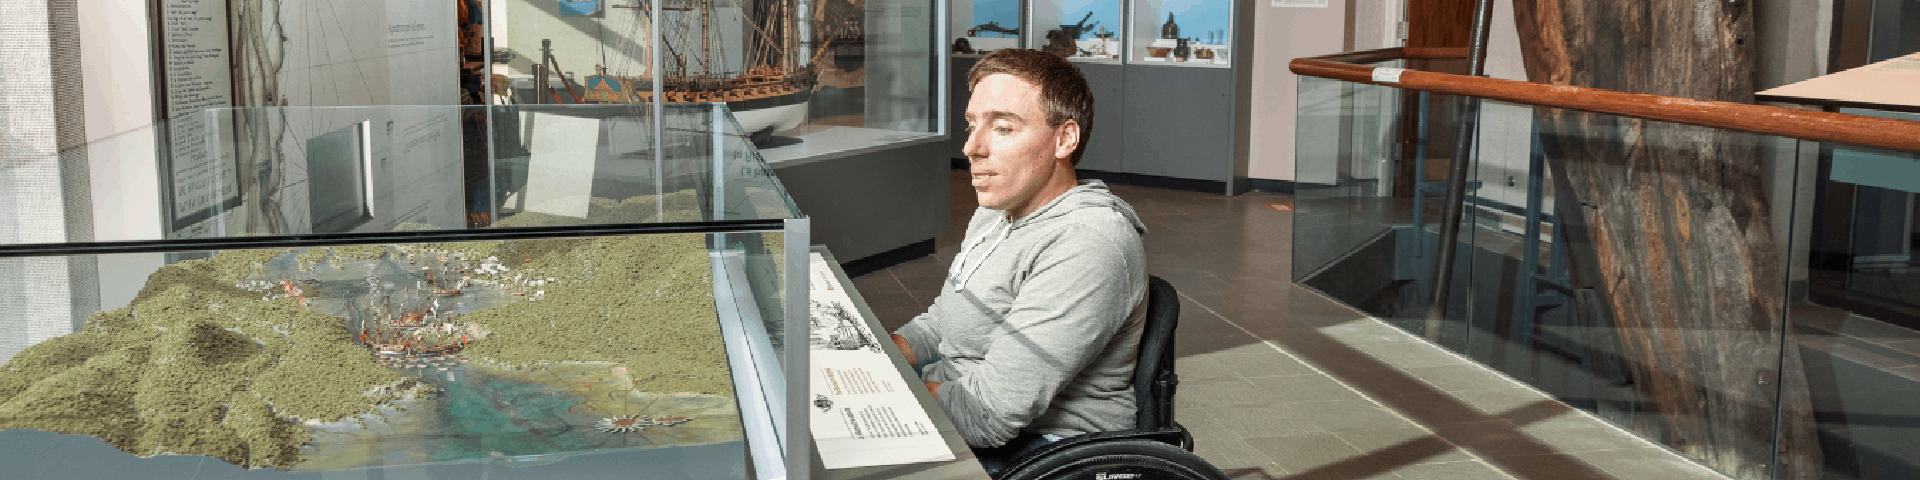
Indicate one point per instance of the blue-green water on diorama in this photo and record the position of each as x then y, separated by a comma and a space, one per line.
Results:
486, 417
536, 417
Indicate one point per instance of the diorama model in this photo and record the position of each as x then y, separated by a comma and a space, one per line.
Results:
359, 356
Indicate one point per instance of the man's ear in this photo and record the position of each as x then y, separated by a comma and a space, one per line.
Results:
1066, 139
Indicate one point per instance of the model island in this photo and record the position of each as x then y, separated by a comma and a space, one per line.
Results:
353, 356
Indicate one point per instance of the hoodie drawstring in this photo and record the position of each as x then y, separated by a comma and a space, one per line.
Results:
962, 284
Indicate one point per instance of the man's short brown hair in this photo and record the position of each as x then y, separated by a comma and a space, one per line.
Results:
1063, 89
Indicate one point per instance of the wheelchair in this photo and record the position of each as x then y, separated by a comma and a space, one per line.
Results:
1157, 447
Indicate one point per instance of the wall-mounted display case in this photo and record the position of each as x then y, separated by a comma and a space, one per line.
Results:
1082, 30
982, 26
804, 77
325, 289
1157, 32
1182, 32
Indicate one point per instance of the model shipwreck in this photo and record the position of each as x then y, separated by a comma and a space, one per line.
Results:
357, 356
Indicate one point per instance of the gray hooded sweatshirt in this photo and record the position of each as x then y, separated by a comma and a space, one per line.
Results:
1039, 320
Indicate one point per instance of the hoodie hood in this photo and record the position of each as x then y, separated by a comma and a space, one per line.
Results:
1089, 194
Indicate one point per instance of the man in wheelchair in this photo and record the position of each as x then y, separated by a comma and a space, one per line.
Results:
1034, 335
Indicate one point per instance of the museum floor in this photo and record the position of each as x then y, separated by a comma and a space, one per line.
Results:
1281, 383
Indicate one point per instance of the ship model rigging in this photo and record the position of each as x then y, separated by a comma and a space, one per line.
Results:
771, 87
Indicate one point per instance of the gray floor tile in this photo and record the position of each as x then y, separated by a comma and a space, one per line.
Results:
1648, 464
921, 267
1349, 415
1574, 433
1368, 332
1384, 383
1404, 446
923, 289
1468, 470
1268, 363
1270, 471
1303, 388
1254, 421
1358, 469
1409, 355
1306, 452
1434, 409
1501, 400
1221, 392
1493, 438
1553, 467
1202, 366
1461, 377
1228, 451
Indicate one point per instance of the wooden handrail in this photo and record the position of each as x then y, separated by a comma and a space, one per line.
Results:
1783, 122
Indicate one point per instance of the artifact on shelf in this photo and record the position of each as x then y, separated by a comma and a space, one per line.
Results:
1058, 43
1163, 49
1181, 50
1074, 31
993, 27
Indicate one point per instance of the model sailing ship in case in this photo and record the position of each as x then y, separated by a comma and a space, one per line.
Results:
770, 94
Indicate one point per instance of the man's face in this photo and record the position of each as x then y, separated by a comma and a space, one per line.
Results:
1013, 153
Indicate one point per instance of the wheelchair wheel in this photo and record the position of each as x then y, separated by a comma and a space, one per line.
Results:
1119, 460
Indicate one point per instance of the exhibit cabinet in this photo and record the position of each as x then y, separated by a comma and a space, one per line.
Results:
302, 292
840, 96
1161, 71
1651, 273
1189, 33
803, 77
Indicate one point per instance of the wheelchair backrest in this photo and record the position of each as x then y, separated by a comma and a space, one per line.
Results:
1154, 380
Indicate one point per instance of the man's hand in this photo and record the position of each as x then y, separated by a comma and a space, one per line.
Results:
934, 388
906, 349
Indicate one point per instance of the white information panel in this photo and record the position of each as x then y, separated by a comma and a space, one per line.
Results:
194, 46
864, 413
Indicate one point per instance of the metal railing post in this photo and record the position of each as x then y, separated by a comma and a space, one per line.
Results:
1457, 177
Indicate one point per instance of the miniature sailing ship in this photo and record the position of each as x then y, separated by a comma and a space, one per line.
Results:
413, 337
769, 94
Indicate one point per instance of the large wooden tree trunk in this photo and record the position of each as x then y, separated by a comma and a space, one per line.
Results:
1676, 227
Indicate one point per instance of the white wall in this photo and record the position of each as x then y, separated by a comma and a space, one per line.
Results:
1281, 35
118, 81
899, 83
1505, 133
372, 53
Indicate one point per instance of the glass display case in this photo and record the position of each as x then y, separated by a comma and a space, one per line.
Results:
294, 292
802, 77
1182, 32
1081, 30
979, 27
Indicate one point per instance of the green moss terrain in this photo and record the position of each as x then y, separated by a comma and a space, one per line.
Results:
644, 302
196, 366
